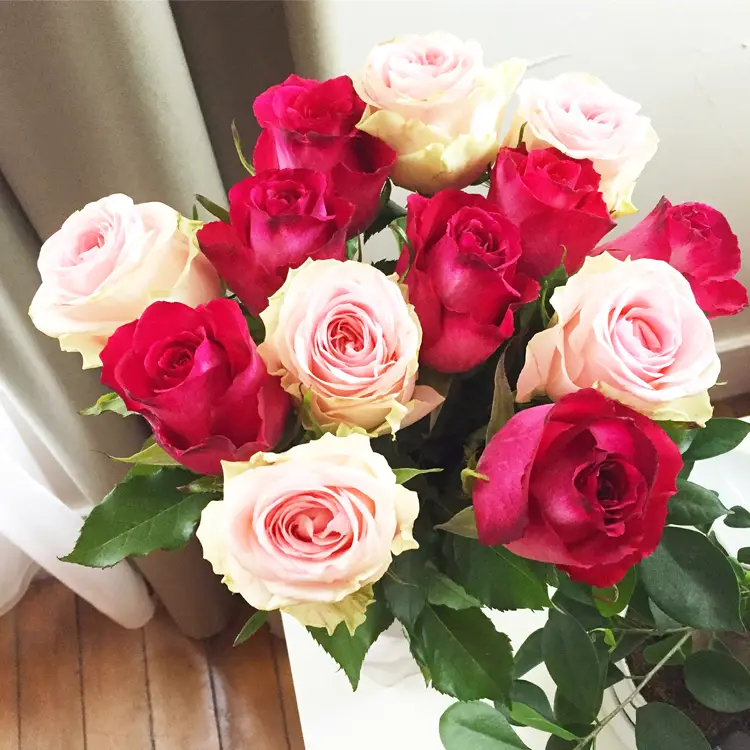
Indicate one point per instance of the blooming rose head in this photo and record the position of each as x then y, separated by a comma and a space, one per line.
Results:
555, 203
343, 336
310, 530
431, 98
697, 240
278, 219
107, 263
583, 484
309, 124
633, 330
579, 115
196, 376
463, 282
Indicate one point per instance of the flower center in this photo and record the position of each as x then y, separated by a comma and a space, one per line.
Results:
478, 234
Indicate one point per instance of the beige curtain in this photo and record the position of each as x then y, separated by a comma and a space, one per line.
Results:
99, 97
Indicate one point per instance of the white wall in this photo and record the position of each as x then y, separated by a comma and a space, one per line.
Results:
686, 61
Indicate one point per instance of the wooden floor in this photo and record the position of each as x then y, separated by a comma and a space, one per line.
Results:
70, 679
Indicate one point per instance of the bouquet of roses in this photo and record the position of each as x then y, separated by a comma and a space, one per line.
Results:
503, 417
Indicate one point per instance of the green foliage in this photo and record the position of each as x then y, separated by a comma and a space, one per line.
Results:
108, 402
145, 512
464, 523
659, 726
389, 211
240, 153
405, 584
152, 454
718, 681
692, 581
743, 555
477, 726
530, 708
348, 650
614, 599
655, 652
556, 278
530, 653
717, 437
447, 593
386, 266
251, 627
494, 575
404, 475
354, 248
572, 662
214, 209
463, 653
694, 505
738, 518
503, 401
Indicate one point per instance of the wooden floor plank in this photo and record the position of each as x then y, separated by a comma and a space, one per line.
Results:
248, 700
115, 696
288, 697
180, 689
50, 705
8, 683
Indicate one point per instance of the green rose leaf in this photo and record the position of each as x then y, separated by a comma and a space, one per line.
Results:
718, 681
389, 211
659, 726
251, 627
530, 708
692, 581
477, 726
529, 654
465, 655
738, 518
404, 586
108, 402
145, 512
613, 600
743, 555
447, 593
655, 652
495, 576
385, 266
404, 475
717, 437
503, 401
238, 148
572, 662
694, 505
349, 651
464, 523
152, 454
214, 209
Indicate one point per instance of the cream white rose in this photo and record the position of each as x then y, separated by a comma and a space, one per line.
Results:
633, 330
342, 336
432, 100
108, 262
310, 530
579, 115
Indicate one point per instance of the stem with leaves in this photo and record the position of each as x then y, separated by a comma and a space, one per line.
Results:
603, 723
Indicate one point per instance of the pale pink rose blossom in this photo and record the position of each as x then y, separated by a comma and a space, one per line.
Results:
342, 335
579, 115
432, 99
108, 262
310, 530
633, 330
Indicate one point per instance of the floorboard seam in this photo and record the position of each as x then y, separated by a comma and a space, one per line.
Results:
212, 683
148, 689
80, 672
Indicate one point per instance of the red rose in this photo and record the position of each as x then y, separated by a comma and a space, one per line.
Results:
196, 376
582, 483
463, 283
697, 241
555, 203
312, 125
279, 219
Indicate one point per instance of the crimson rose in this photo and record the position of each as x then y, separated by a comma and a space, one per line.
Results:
582, 483
463, 282
309, 124
697, 241
197, 378
556, 204
278, 219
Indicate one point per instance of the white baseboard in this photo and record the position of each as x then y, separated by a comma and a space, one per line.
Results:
734, 379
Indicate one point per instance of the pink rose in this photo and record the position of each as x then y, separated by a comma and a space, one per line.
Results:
343, 336
310, 530
633, 330
697, 240
108, 262
582, 117
432, 99
583, 484
555, 203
